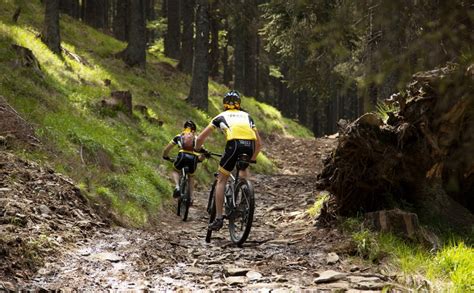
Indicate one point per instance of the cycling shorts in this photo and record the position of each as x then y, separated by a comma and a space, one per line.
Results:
233, 149
186, 160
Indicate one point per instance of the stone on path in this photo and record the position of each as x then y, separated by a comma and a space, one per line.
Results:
236, 280
329, 276
253, 275
332, 258
112, 257
236, 271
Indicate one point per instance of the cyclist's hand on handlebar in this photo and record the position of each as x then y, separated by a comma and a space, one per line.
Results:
253, 161
166, 158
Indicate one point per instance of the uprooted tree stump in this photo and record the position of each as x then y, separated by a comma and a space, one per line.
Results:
118, 101
378, 165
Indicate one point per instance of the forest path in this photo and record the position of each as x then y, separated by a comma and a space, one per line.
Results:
284, 249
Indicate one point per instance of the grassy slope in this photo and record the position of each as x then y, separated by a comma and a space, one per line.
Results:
62, 104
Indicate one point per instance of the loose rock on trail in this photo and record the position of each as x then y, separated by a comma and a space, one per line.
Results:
284, 249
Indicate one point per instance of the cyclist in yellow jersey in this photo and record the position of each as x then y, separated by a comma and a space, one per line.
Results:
242, 138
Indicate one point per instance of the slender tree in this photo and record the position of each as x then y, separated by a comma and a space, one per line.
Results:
121, 20
150, 16
173, 33
135, 53
239, 56
50, 35
199, 86
95, 13
70, 7
251, 32
214, 46
187, 37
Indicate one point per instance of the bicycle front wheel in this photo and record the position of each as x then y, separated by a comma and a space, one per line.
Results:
241, 218
211, 209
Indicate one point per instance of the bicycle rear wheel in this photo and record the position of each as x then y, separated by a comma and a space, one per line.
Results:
184, 200
211, 210
240, 221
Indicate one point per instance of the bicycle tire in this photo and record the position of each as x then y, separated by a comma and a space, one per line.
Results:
244, 194
211, 209
184, 200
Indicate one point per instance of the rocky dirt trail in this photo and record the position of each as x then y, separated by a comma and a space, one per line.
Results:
285, 251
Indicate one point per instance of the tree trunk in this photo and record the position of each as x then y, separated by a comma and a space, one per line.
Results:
135, 53
173, 34
214, 50
95, 13
70, 7
251, 59
187, 50
199, 86
239, 57
226, 67
50, 35
150, 16
302, 108
121, 20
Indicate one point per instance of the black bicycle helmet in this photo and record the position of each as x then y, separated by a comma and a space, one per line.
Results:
231, 100
190, 124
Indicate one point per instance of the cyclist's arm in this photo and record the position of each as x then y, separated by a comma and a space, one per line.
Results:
203, 136
258, 145
167, 149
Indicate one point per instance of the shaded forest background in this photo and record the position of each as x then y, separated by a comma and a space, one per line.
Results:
316, 61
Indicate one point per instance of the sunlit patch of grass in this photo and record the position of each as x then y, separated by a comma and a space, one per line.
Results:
450, 269
383, 110
315, 210
454, 262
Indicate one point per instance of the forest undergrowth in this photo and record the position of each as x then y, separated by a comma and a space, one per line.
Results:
115, 158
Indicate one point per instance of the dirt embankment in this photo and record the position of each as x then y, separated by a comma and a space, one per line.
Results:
41, 213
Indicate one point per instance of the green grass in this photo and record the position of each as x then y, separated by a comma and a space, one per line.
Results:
450, 269
115, 159
315, 210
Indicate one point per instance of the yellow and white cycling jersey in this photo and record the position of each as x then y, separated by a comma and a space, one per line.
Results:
235, 124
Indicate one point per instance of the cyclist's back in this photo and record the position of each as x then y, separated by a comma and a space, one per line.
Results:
242, 138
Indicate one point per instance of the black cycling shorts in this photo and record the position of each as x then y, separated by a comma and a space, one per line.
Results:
186, 160
233, 149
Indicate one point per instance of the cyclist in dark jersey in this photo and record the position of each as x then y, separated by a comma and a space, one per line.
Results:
242, 138
186, 157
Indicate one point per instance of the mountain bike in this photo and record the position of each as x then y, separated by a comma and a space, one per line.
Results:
239, 204
184, 199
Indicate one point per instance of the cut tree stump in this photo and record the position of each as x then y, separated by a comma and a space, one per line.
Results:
119, 101
26, 58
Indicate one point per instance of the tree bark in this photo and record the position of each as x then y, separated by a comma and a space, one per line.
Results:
135, 53
70, 7
226, 67
251, 49
239, 57
199, 86
95, 12
121, 20
173, 34
187, 50
150, 16
214, 50
50, 35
